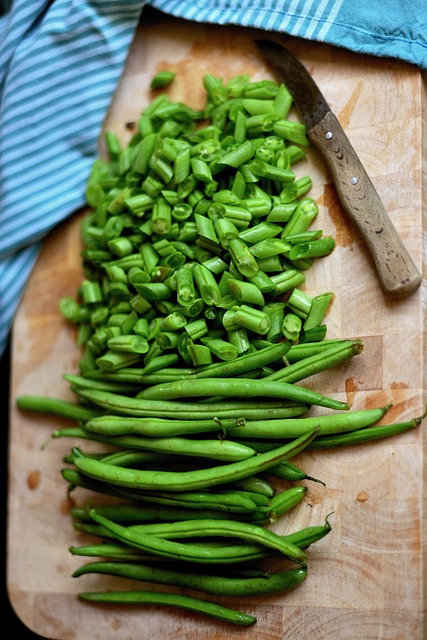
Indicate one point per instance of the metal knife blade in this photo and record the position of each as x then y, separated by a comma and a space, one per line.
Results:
397, 272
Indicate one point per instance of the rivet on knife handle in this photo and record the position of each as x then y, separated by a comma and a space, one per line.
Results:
397, 272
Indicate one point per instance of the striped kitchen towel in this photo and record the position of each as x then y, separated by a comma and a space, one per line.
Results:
60, 62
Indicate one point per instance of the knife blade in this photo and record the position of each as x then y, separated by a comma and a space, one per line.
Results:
396, 270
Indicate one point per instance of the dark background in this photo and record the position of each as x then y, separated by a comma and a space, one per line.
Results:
10, 620
14, 626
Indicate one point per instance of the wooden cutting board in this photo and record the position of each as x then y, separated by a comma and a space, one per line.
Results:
366, 579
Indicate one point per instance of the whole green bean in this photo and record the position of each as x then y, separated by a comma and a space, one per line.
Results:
293, 427
234, 502
186, 551
111, 425
306, 349
181, 481
238, 387
231, 554
221, 585
244, 363
132, 513
369, 434
170, 599
311, 365
141, 407
224, 450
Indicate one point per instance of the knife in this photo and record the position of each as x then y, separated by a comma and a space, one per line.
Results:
397, 272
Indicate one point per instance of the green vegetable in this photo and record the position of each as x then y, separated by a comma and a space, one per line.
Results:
170, 599
221, 585
193, 319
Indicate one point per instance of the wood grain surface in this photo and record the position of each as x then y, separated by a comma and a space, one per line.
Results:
366, 579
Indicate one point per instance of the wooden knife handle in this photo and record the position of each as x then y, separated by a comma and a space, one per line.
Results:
398, 274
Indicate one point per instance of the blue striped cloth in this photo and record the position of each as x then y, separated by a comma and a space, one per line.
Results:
60, 62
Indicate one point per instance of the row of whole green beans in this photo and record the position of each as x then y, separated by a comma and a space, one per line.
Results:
195, 330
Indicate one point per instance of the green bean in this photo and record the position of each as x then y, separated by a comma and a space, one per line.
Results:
263, 282
170, 599
294, 427
269, 247
223, 450
289, 471
243, 258
281, 212
113, 550
122, 405
292, 131
130, 457
319, 306
141, 512
112, 425
246, 362
318, 362
230, 501
235, 503
56, 406
162, 79
187, 551
306, 349
260, 232
313, 249
301, 218
246, 292
369, 434
255, 484
291, 327
285, 501
253, 319
238, 387
200, 354
191, 480
221, 585
238, 156
315, 334
232, 554
114, 360
309, 535
283, 102
77, 479
287, 280
128, 344
220, 348
157, 363
206, 284
295, 190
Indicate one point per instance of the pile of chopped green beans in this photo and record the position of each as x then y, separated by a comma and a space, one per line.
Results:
195, 328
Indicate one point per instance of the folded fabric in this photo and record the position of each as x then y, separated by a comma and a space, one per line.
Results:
60, 63
391, 28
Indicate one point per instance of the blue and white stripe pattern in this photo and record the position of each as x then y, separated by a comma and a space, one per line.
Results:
390, 28
60, 62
